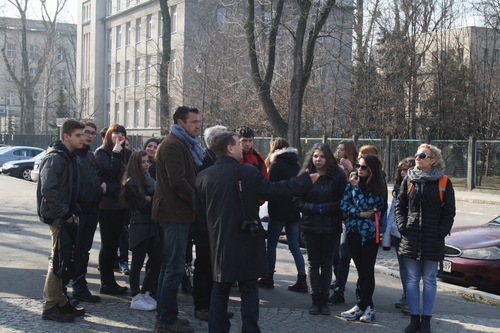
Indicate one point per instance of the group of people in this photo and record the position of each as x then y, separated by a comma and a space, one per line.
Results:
174, 191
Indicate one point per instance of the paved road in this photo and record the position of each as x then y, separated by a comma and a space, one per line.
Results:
24, 250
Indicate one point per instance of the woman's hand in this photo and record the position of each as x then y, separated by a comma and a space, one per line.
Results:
354, 180
346, 164
118, 146
148, 198
366, 214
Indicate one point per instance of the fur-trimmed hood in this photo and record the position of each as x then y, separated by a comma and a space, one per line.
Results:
292, 152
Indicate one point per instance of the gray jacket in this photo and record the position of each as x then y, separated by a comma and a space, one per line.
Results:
54, 188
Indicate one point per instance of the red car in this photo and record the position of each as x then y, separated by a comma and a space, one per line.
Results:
472, 256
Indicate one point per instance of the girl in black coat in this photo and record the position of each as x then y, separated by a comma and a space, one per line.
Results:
137, 194
321, 222
423, 221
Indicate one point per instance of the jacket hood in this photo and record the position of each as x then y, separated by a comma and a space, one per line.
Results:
288, 154
57, 147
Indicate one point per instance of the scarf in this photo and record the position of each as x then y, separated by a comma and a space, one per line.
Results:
190, 142
419, 176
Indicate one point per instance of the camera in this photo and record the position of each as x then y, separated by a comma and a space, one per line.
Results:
250, 226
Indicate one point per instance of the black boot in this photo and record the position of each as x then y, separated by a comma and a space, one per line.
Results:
337, 297
314, 309
425, 326
267, 282
414, 324
323, 304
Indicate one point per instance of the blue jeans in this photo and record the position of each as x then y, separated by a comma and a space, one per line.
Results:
292, 235
344, 260
218, 321
427, 271
175, 238
320, 251
401, 260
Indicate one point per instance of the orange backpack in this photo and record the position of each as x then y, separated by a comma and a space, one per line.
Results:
443, 180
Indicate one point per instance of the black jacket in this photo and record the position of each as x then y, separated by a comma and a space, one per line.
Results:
90, 191
110, 169
237, 255
140, 208
421, 220
283, 167
55, 186
328, 191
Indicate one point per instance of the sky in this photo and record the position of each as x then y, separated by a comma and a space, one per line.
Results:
69, 15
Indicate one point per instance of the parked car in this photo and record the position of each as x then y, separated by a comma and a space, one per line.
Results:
35, 173
472, 256
21, 168
15, 153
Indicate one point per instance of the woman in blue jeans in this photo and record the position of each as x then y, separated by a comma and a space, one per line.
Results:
424, 220
321, 222
283, 165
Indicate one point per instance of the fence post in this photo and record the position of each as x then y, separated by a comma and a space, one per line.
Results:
324, 139
471, 165
388, 155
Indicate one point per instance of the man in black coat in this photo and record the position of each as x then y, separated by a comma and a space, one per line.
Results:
226, 195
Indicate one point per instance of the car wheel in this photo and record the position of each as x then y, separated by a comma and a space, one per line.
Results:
26, 174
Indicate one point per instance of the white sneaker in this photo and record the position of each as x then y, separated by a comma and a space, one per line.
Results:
139, 303
368, 315
353, 314
149, 299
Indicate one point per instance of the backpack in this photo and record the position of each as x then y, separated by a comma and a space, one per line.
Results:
443, 180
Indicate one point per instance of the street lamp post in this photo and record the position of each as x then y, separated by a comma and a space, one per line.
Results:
201, 58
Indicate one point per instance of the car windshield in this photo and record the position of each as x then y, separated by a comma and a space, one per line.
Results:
495, 221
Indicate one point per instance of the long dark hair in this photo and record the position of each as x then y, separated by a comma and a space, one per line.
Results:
108, 141
398, 179
331, 163
375, 181
134, 172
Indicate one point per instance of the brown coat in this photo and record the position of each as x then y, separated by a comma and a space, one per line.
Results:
175, 176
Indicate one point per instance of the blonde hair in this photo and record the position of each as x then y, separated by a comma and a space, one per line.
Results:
435, 154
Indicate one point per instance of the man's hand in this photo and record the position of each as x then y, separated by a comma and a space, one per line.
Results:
71, 219
103, 186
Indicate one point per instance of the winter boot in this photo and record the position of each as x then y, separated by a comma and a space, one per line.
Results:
267, 282
425, 325
314, 309
414, 324
323, 304
300, 285
337, 297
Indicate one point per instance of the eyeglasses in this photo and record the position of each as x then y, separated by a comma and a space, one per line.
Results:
89, 133
320, 144
362, 167
422, 156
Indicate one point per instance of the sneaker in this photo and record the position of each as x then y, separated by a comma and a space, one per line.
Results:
368, 315
353, 314
405, 310
402, 302
124, 268
149, 299
139, 303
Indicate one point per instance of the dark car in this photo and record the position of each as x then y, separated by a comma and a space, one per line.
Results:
472, 256
21, 168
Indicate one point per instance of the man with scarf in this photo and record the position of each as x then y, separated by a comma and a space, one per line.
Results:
177, 160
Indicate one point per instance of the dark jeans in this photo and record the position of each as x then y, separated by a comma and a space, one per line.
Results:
218, 321
320, 251
175, 238
341, 264
364, 256
110, 225
147, 246
202, 277
122, 255
87, 224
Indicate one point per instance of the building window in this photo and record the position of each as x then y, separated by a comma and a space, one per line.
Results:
137, 71
173, 19
149, 27
117, 75
86, 12
138, 30
126, 115
460, 55
160, 24
118, 5
495, 55
33, 52
147, 113
109, 77
173, 65
422, 59
221, 19
11, 50
128, 33
35, 97
127, 73
117, 113
9, 99
110, 7
118, 36
32, 72
110, 39
148, 69
136, 114
60, 54
127, 3
485, 55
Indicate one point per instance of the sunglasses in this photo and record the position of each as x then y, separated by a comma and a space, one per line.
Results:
362, 167
422, 156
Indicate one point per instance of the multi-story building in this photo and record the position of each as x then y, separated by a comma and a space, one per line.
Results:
120, 45
57, 71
